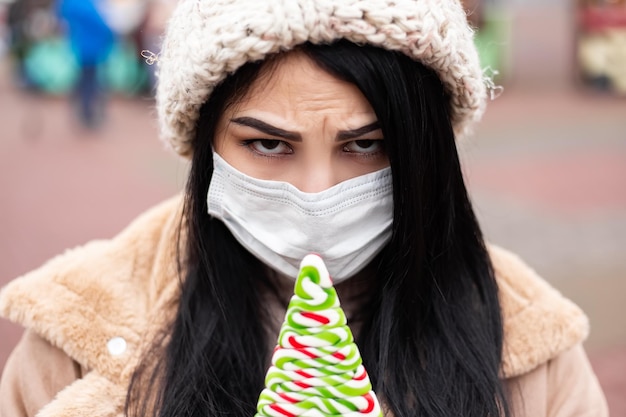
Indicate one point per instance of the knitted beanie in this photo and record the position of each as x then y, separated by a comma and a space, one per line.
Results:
206, 40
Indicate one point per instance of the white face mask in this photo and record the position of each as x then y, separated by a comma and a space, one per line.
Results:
347, 224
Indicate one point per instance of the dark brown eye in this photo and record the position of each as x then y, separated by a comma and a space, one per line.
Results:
364, 146
269, 147
270, 144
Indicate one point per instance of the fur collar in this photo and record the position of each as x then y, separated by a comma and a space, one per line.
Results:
127, 287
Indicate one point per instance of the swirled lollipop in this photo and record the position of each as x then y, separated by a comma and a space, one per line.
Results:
316, 367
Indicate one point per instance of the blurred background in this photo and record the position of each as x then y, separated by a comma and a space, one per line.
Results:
80, 158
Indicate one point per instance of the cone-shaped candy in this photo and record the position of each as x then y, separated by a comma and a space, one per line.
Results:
316, 367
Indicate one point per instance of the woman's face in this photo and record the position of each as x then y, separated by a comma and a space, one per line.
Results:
301, 125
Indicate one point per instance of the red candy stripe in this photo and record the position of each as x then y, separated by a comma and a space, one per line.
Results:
304, 374
278, 408
307, 352
316, 317
362, 376
286, 397
370, 403
294, 343
302, 384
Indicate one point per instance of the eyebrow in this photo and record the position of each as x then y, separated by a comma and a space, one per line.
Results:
355, 133
268, 129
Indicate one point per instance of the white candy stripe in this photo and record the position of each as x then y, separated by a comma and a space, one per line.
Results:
316, 262
315, 331
276, 398
292, 363
293, 386
310, 363
313, 340
292, 354
313, 413
359, 402
285, 386
276, 376
294, 376
318, 294
289, 387
319, 403
358, 383
324, 359
289, 366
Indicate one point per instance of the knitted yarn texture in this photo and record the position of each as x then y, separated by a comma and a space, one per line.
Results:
208, 39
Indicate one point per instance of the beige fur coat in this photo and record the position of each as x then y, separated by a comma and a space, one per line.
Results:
90, 311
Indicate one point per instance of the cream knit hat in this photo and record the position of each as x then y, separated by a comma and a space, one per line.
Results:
208, 39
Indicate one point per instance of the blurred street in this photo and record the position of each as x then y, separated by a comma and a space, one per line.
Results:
546, 170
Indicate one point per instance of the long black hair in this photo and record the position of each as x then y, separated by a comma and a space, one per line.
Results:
432, 334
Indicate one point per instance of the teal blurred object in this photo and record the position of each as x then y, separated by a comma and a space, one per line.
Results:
51, 66
493, 42
124, 71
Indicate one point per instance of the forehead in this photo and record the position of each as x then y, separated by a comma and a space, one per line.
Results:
295, 82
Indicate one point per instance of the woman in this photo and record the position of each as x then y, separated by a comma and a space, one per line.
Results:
311, 126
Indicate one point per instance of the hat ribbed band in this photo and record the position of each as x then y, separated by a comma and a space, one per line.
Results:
208, 39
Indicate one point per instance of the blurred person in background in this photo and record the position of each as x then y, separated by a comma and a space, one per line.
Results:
91, 40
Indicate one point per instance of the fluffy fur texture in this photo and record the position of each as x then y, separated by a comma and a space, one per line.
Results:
128, 287
207, 40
